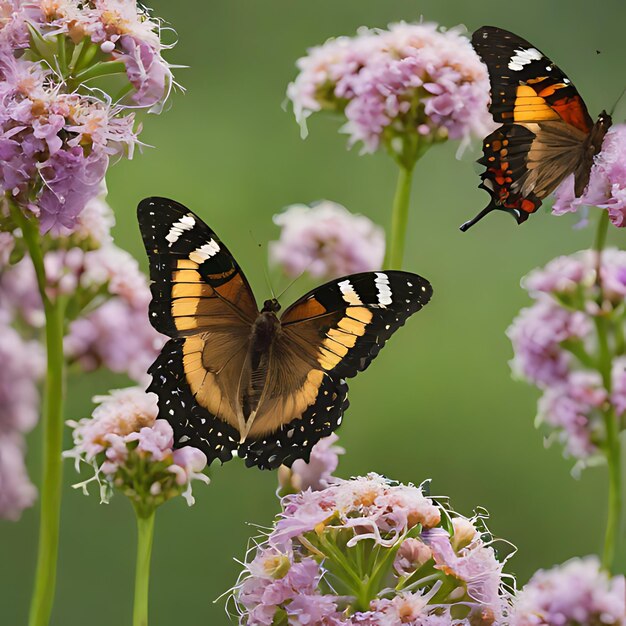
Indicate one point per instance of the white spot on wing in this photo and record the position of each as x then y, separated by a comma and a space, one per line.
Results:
347, 292
383, 288
523, 57
201, 254
187, 222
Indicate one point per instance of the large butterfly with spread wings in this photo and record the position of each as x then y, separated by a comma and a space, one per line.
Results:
233, 379
546, 133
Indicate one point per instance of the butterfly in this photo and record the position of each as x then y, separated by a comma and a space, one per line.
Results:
546, 133
236, 380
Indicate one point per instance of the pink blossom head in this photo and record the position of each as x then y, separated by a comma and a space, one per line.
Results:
58, 134
538, 334
410, 84
573, 411
16, 491
327, 241
133, 451
310, 567
575, 593
23, 365
607, 184
317, 473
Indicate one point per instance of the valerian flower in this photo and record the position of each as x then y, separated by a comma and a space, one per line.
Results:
607, 183
577, 593
327, 241
315, 474
374, 552
409, 84
22, 368
59, 126
556, 346
132, 451
16, 491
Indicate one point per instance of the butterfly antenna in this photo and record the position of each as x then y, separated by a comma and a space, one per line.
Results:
617, 102
265, 272
467, 225
291, 284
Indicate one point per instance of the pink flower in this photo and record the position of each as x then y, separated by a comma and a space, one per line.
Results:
309, 570
618, 396
412, 554
409, 79
607, 184
327, 241
562, 275
16, 491
573, 410
537, 334
123, 429
318, 472
576, 593
23, 365
116, 335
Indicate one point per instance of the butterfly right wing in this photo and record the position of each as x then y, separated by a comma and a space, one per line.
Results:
544, 125
202, 300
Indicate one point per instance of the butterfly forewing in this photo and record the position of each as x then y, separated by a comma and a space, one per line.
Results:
196, 282
342, 325
526, 86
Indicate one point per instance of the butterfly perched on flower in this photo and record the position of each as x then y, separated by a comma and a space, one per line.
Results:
546, 133
233, 379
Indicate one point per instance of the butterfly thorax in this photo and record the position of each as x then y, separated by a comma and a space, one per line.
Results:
591, 147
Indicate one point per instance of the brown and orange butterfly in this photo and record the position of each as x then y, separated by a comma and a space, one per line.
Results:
546, 133
233, 379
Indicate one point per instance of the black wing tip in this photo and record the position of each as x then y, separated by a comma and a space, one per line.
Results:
160, 202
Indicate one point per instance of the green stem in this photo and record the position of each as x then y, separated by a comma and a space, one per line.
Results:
52, 467
145, 534
399, 219
612, 449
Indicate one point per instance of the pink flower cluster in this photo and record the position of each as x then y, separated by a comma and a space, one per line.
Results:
411, 79
133, 451
607, 184
317, 473
22, 367
556, 346
58, 129
577, 593
311, 570
327, 241
109, 295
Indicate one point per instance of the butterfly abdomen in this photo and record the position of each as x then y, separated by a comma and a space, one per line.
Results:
262, 336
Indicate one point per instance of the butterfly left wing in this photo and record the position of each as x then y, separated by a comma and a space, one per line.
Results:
202, 300
546, 128
330, 334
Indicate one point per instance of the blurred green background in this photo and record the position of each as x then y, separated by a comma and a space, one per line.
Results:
438, 403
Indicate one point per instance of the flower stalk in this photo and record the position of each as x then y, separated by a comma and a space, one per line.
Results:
52, 467
612, 445
145, 535
399, 219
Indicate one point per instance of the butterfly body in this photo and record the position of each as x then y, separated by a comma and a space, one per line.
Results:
236, 380
546, 132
